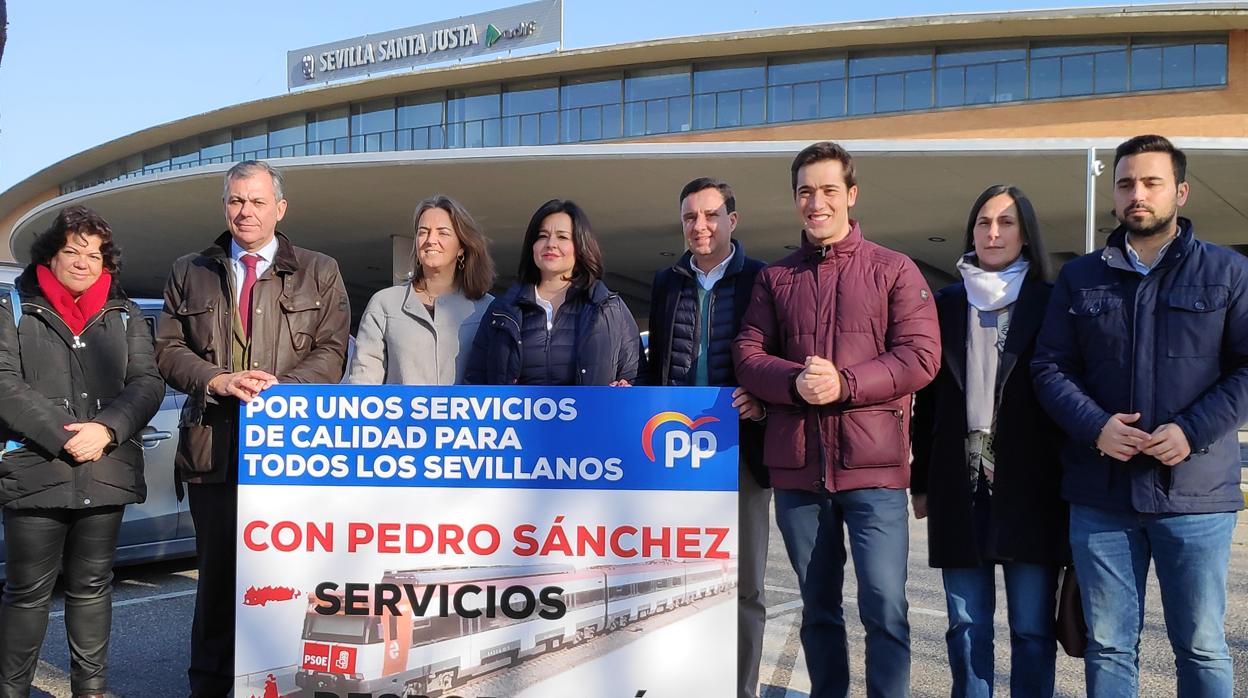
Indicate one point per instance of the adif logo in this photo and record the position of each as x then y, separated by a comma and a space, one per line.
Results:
309, 67
695, 444
493, 34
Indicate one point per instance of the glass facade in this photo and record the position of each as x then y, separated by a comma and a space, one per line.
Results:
701, 96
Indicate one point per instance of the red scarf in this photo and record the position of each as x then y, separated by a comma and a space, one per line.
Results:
75, 312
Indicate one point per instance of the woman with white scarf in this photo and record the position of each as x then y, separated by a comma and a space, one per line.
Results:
986, 470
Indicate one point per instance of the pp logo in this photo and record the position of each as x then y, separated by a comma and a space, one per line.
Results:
695, 444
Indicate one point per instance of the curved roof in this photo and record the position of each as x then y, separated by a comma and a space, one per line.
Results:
1167, 18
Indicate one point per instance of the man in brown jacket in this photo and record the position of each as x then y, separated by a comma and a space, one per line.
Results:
250, 311
837, 337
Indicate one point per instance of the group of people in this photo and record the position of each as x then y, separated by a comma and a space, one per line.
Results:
1089, 421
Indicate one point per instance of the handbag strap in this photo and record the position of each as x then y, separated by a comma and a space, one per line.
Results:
15, 302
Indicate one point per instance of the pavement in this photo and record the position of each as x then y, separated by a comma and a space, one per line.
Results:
154, 603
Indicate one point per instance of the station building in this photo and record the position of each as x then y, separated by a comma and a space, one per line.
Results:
933, 108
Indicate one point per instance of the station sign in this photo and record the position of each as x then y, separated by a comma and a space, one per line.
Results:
496, 31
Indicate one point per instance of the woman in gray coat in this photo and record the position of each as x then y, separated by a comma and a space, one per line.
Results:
412, 333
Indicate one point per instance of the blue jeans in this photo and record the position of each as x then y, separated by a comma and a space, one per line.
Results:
813, 526
1192, 552
1031, 597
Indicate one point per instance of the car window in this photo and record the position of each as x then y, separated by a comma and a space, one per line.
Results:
149, 319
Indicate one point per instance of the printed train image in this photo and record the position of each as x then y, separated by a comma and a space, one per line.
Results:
453, 624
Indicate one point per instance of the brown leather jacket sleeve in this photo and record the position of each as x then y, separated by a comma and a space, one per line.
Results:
182, 367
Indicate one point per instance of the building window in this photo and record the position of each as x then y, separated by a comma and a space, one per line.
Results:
184, 154
218, 146
251, 142
1210, 64
1077, 69
328, 131
805, 88
657, 101
472, 118
888, 82
1159, 66
156, 160
673, 99
980, 76
729, 95
420, 122
590, 108
372, 126
286, 136
531, 113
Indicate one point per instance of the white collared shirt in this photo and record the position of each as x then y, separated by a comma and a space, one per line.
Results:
547, 306
267, 253
1134, 257
707, 280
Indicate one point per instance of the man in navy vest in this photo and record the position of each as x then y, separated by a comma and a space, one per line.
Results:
695, 312
1143, 361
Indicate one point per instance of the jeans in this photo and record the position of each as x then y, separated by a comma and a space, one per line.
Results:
813, 525
753, 506
1192, 552
1031, 598
40, 543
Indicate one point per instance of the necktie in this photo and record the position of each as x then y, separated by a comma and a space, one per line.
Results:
244, 299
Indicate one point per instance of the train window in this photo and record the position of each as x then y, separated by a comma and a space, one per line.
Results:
499, 621
620, 591
588, 598
645, 587
359, 630
426, 631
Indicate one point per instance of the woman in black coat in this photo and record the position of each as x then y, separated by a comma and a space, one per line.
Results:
559, 324
78, 381
986, 469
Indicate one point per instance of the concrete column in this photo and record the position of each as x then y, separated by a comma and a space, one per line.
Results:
1094, 169
401, 247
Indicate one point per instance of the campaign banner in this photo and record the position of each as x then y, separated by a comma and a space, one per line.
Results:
486, 542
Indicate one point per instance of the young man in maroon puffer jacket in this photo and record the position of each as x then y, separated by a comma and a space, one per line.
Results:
837, 337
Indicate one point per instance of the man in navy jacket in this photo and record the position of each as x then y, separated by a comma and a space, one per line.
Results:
1143, 360
696, 307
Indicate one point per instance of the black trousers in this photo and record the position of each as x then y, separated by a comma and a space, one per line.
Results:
214, 508
41, 543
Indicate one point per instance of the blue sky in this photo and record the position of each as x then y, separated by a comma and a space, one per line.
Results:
78, 73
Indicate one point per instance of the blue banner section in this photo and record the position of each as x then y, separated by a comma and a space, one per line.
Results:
500, 437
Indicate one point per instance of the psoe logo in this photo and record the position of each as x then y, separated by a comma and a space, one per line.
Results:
315, 656
695, 444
